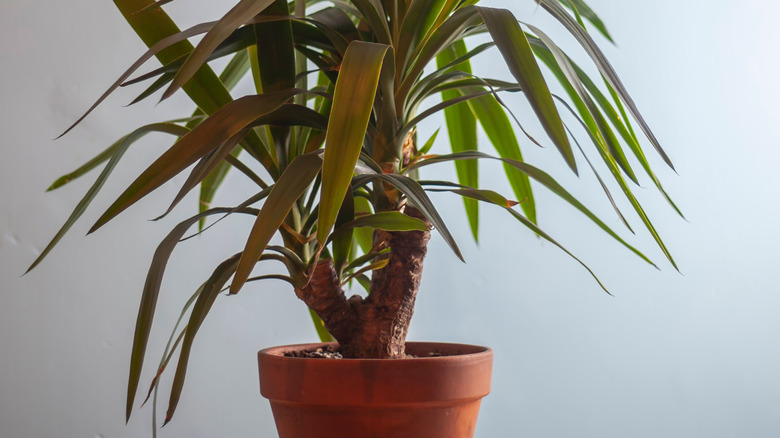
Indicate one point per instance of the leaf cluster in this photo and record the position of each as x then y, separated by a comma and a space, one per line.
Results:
330, 141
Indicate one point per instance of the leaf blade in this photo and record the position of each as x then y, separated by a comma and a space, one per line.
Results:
288, 188
513, 45
352, 104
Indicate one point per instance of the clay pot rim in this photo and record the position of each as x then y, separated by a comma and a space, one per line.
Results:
474, 351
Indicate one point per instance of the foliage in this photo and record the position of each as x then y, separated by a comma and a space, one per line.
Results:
338, 143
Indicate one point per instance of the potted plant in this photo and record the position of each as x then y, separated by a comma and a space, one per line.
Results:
341, 88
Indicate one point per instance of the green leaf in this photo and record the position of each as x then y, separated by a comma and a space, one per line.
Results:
379, 264
349, 116
374, 14
365, 258
288, 188
116, 151
384, 220
429, 143
417, 196
546, 180
205, 89
606, 69
203, 304
150, 294
364, 236
341, 243
101, 158
583, 9
234, 71
494, 198
319, 325
155, 49
423, 88
625, 131
276, 61
222, 125
287, 114
236, 43
242, 12
495, 122
594, 119
632, 199
462, 131
418, 19
514, 46
533, 227
451, 30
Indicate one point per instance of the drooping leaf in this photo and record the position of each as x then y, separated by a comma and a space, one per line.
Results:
205, 88
543, 178
116, 150
417, 196
286, 115
513, 45
235, 17
150, 294
632, 200
213, 286
222, 125
288, 188
234, 71
584, 10
153, 50
235, 43
462, 131
384, 220
606, 69
594, 119
498, 128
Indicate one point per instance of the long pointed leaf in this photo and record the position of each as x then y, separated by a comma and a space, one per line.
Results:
462, 131
205, 301
591, 112
238, 15
150, 294
557, 11
349, 116
417, 196
223, 124
117, 151
290, 186
513, 45
583, 9
153, 50
546, 180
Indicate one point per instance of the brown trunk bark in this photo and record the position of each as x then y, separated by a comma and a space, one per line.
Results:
374, 327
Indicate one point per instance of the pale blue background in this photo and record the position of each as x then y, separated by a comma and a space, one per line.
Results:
671, 355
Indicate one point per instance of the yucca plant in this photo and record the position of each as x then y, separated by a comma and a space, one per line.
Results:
341, 87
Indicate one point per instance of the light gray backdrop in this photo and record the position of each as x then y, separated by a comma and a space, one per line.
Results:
670, 355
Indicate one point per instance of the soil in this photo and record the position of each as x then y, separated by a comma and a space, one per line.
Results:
328, 352
331, 352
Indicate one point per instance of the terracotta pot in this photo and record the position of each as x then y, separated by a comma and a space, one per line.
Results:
424, 397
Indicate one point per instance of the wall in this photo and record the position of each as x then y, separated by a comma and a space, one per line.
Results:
690, 354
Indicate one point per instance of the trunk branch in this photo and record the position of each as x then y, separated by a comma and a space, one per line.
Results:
383, 317
374, 327
325, 297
